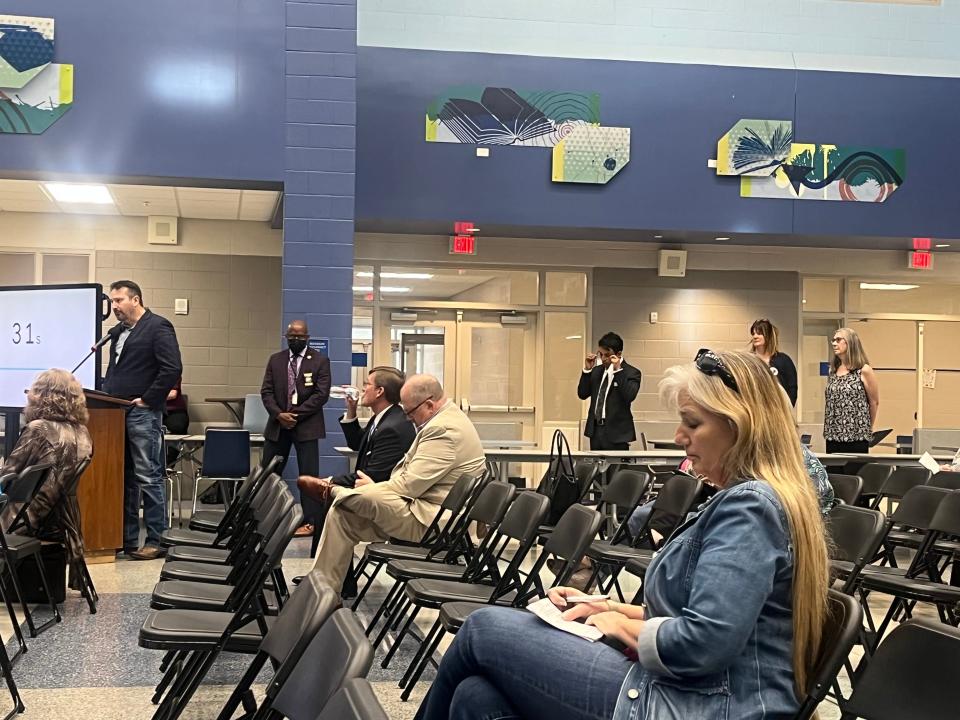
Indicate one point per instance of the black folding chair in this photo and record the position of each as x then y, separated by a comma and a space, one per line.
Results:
209, 520
675, 500
840, 631
855, 535
567, 543
519, 528
874, 476
338, 652
16, 548
622, 494
945, 479
441, 535
846, 487
912, 675
899, 482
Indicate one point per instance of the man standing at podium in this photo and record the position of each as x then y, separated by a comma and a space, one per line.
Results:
144, 364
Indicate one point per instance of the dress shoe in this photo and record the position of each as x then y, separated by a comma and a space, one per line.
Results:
305, 530
580, 579
314, 488
297, 580
147, 552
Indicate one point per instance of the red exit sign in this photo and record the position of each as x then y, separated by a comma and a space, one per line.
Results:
463, 245
920, 260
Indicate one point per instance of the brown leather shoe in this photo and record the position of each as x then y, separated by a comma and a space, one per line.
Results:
305, 530
147, 552
313, 487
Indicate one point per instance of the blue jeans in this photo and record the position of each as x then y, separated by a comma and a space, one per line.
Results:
509, 664
143, 477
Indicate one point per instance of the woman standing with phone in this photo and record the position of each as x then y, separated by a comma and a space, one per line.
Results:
852, 396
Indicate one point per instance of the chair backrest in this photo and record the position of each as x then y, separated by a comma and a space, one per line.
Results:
874, 476
855, 535
945, 479
24, 489
918, 505
675, 500
311, 603
913, 674
492, 503
946, 520
901, 480
626, 488
846, 487
568, 542
586, 472
354, 701
226, 453
340, 651
255, 414
840, 632
523, 516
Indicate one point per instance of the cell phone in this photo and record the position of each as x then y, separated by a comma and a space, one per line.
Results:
586, 598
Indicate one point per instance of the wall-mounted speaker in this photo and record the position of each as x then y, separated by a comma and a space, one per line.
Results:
162, 230
672, 263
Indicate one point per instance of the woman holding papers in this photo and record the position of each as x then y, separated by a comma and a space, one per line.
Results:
735, 601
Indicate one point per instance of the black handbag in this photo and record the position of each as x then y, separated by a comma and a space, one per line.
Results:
559, 482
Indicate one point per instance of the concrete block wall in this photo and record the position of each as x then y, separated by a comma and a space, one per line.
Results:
908, 37
704, 309
233, 321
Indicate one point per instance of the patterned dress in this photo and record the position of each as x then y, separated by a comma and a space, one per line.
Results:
54, 514
846, 413
821, 480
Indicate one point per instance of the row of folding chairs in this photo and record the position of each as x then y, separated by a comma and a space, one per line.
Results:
877, 483
20, 545
221, 589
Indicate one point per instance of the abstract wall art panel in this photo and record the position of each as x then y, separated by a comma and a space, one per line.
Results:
504, 116
771, 165
754, 147
832, 172
591, 154
26, 48
32, 109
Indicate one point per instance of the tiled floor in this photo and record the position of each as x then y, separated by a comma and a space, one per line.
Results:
91, 668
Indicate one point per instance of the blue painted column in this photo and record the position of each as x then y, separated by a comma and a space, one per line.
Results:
319, 172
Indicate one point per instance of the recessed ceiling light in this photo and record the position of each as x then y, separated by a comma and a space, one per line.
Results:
886, 286
943, 245
721, 238
658, 237
78, 193
574, 337
393, 289
396, 275
362, 288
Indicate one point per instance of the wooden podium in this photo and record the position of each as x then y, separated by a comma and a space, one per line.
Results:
100, 493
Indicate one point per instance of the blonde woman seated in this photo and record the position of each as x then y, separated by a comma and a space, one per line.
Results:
735, 601
56, 433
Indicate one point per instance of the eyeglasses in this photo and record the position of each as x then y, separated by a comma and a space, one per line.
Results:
410, 412
709, 363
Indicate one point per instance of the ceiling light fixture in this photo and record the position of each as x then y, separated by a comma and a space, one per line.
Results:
658, 237
574, 337
397, 275
943, 245
886, 286
362, 288
79, 194
393, 289
721, 239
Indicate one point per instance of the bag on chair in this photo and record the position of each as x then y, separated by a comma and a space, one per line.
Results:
559, 482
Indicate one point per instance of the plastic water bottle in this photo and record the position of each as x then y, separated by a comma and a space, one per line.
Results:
339, 392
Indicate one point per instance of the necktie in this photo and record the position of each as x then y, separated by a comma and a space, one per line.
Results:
602, 395
291, 381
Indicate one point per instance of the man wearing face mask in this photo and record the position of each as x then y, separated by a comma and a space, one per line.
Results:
296, 385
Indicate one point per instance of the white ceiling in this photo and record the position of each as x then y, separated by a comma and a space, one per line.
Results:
141, 200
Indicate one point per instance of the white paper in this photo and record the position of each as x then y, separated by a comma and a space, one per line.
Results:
929, 463
550, 614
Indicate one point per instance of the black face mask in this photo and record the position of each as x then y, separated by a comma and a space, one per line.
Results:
297, 346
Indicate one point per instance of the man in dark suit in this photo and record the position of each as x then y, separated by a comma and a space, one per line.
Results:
144, 365
296, 385
380, 445
611, 386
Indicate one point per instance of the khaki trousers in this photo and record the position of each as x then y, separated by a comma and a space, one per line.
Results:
362, 518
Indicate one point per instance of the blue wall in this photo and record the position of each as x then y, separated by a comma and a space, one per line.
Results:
179, 88
677, 113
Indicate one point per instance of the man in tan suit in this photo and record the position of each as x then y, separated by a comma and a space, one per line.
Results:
446, 446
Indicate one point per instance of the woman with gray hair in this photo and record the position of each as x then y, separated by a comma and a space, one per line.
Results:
852, 396
56, 433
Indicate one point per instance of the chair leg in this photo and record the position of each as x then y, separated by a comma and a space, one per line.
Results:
361, 592
31, 628
418, 655
397, 613
427, 652
243, 687
406, 628
18, 631
7, 669
386, 605
46, 588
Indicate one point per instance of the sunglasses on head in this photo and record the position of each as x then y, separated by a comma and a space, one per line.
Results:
709, 363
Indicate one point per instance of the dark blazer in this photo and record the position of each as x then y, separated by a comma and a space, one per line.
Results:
786, 373
311, 395
379, 454
149, 364
625, 386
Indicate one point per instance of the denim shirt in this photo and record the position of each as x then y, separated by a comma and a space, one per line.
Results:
717, 643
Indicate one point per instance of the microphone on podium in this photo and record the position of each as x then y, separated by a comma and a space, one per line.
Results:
112, 333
